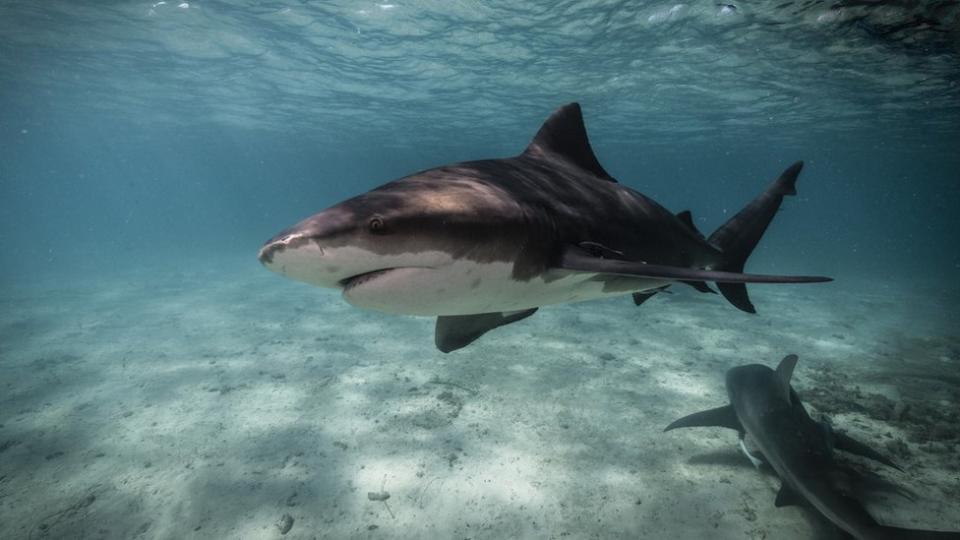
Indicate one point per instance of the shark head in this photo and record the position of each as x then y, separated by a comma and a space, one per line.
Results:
404, 245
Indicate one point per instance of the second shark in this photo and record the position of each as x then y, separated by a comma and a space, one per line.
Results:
765, 407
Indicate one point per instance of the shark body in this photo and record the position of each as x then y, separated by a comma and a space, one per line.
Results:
799, 449
485, 243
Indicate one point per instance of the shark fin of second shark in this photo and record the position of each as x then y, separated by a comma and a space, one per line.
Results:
842, 441
577, 259
457, 331
784, 373
886, 532
563, 135
787, 496
719, 417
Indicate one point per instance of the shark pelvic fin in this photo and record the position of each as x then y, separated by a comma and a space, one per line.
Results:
719, 417
563, 135
784, 373
788, 497
457, 331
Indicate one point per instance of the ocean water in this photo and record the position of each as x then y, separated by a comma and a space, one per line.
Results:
157, 382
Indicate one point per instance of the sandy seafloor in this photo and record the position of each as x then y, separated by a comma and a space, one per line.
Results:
210, 404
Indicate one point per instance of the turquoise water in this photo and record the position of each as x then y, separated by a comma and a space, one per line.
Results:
148, 149
159, 132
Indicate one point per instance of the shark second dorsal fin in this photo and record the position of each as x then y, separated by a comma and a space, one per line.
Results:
563, 135
784, 372
687, 218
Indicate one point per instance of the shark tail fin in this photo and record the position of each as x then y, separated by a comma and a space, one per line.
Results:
740, 234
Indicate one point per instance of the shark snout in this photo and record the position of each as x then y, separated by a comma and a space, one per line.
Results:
277, 244
330, 227
265, 255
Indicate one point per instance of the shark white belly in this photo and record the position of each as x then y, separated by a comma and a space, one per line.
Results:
465, 287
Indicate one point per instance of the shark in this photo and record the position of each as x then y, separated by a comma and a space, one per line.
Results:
764, 406
486, 243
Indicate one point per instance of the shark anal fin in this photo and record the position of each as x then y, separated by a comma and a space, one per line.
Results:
641, 297
454, 332
788, 497
701, 286
719, 417
842, 441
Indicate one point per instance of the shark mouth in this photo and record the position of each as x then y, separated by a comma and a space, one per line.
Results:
360, 279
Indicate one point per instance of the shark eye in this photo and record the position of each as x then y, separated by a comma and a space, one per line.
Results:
376, 225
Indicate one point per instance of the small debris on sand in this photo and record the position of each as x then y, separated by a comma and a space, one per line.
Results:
378, 496
285, 524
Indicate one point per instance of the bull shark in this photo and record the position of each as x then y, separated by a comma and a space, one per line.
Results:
482, 244
799, 449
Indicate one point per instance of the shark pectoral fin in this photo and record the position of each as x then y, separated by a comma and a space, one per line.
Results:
784, 373
842, 441
788, 497
579, 260
719, 417
457, 331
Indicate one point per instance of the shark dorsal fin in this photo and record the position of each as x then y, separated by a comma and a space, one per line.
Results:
784, 372
563, 135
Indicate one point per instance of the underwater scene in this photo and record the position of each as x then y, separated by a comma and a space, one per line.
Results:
463, 269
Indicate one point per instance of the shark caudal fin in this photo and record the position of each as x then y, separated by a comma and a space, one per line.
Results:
738, 236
